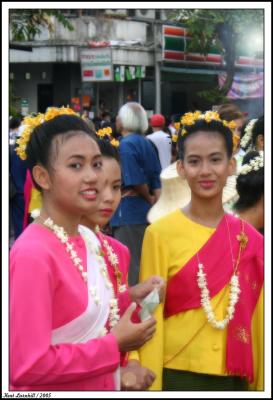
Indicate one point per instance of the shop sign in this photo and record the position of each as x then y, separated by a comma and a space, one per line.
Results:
96, 65
24, 107
175, 41
129, 73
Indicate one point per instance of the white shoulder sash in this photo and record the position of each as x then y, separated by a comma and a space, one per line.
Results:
91, 323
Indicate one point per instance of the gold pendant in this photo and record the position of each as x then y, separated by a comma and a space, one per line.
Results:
243, 239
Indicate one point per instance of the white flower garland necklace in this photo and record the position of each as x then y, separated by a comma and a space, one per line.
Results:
113, 259
63, 236
205, 295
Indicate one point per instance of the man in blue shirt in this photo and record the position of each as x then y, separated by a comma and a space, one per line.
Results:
140, 168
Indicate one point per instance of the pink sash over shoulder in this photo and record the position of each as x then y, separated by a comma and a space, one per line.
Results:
183, 293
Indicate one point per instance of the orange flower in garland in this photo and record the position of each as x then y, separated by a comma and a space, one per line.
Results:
30, 122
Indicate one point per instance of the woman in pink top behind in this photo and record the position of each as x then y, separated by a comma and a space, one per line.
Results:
65, 329
117, 257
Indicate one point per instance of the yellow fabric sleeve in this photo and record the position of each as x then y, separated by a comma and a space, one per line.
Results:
35, 200
154, 258
133, 355
257, 332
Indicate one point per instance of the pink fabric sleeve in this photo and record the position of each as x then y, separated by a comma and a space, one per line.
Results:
33, 360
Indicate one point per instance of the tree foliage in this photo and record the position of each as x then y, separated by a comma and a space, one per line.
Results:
224, 30
27, 23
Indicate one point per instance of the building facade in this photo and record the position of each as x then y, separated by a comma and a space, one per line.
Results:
67, 67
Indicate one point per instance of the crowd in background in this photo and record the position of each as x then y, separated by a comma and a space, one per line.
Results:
162, 133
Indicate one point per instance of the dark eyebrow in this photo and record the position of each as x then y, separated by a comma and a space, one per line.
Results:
217, 153
76, 156
80, 156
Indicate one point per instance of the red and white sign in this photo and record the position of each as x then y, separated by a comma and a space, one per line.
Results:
96, 65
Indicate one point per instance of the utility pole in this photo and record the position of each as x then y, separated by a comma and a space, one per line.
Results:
157, 74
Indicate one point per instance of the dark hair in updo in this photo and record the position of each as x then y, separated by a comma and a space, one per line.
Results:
258, 129
250, 187
39, 147
201, 125
107, 149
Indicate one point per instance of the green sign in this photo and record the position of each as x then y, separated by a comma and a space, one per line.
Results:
24, 107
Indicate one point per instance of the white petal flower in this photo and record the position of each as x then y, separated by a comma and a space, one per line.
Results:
35, 213
73, 254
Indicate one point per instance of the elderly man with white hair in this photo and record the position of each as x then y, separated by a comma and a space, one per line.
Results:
140, 182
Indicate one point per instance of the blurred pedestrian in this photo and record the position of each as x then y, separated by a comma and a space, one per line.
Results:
231, 112
14, 129
250, 188
17, 178
258, 134
140, 170
88, 120
161, 139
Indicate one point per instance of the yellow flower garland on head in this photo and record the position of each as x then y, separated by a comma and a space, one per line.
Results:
31, 122
107, 132
190, 118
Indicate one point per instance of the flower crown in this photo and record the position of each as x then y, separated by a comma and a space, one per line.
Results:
245, 141
190, 118
253, 165
30, 122
107, 133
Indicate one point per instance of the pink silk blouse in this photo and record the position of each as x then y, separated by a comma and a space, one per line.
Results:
46, 292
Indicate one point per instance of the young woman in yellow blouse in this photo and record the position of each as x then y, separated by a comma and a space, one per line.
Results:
209, 332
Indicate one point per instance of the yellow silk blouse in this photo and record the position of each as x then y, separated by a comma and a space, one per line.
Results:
168, 244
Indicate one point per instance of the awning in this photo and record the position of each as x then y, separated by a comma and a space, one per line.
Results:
198, 71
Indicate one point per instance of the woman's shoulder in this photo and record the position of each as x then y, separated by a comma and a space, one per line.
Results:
252, 233
35, 239
167, 224
116, 244
119, 250
134, 141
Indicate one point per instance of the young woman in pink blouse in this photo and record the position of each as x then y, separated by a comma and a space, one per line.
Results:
65, 329
117, 257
